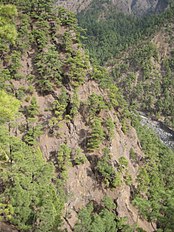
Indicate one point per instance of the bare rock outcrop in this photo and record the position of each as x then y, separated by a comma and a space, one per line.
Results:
136, 7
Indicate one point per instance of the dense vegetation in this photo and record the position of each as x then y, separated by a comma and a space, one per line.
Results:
109, 31
101, 218
146, 78
138, 65
31, 197
154, 195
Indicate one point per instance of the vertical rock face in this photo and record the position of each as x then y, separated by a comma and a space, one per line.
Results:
141, 7
136, 7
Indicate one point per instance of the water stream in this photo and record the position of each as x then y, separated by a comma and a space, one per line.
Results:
165, 134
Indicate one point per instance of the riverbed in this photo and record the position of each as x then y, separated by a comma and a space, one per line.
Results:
165, 134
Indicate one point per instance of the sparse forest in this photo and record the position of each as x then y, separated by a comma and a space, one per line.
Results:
64, 123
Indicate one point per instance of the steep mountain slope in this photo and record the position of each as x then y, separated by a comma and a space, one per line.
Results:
145, 74
136, 7
69, 156
67, 139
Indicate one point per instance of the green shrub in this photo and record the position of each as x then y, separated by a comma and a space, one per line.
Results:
32, 135
33, 108
127, 178
40, 38
20, 93
77, 66
15, 62
96, 136
110, 128
79, 157
8, 33
48, 66
29, 193
133, 155
75, 104
63, 160
66, 18
59, 106
9, 107
96, 103
108, 203
106, 170
100, 218
123, 163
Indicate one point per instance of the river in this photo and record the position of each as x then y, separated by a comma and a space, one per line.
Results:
165, 134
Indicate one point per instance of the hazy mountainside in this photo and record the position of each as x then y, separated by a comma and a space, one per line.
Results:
136, 7
70, 157
139, 54
110, 31
145, 73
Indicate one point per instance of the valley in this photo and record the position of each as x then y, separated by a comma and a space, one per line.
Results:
74, 154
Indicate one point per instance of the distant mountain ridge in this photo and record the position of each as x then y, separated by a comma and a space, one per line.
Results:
136, 7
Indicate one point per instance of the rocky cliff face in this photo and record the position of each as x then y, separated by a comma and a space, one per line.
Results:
136, 7
83, 184
74, 116
141, 7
